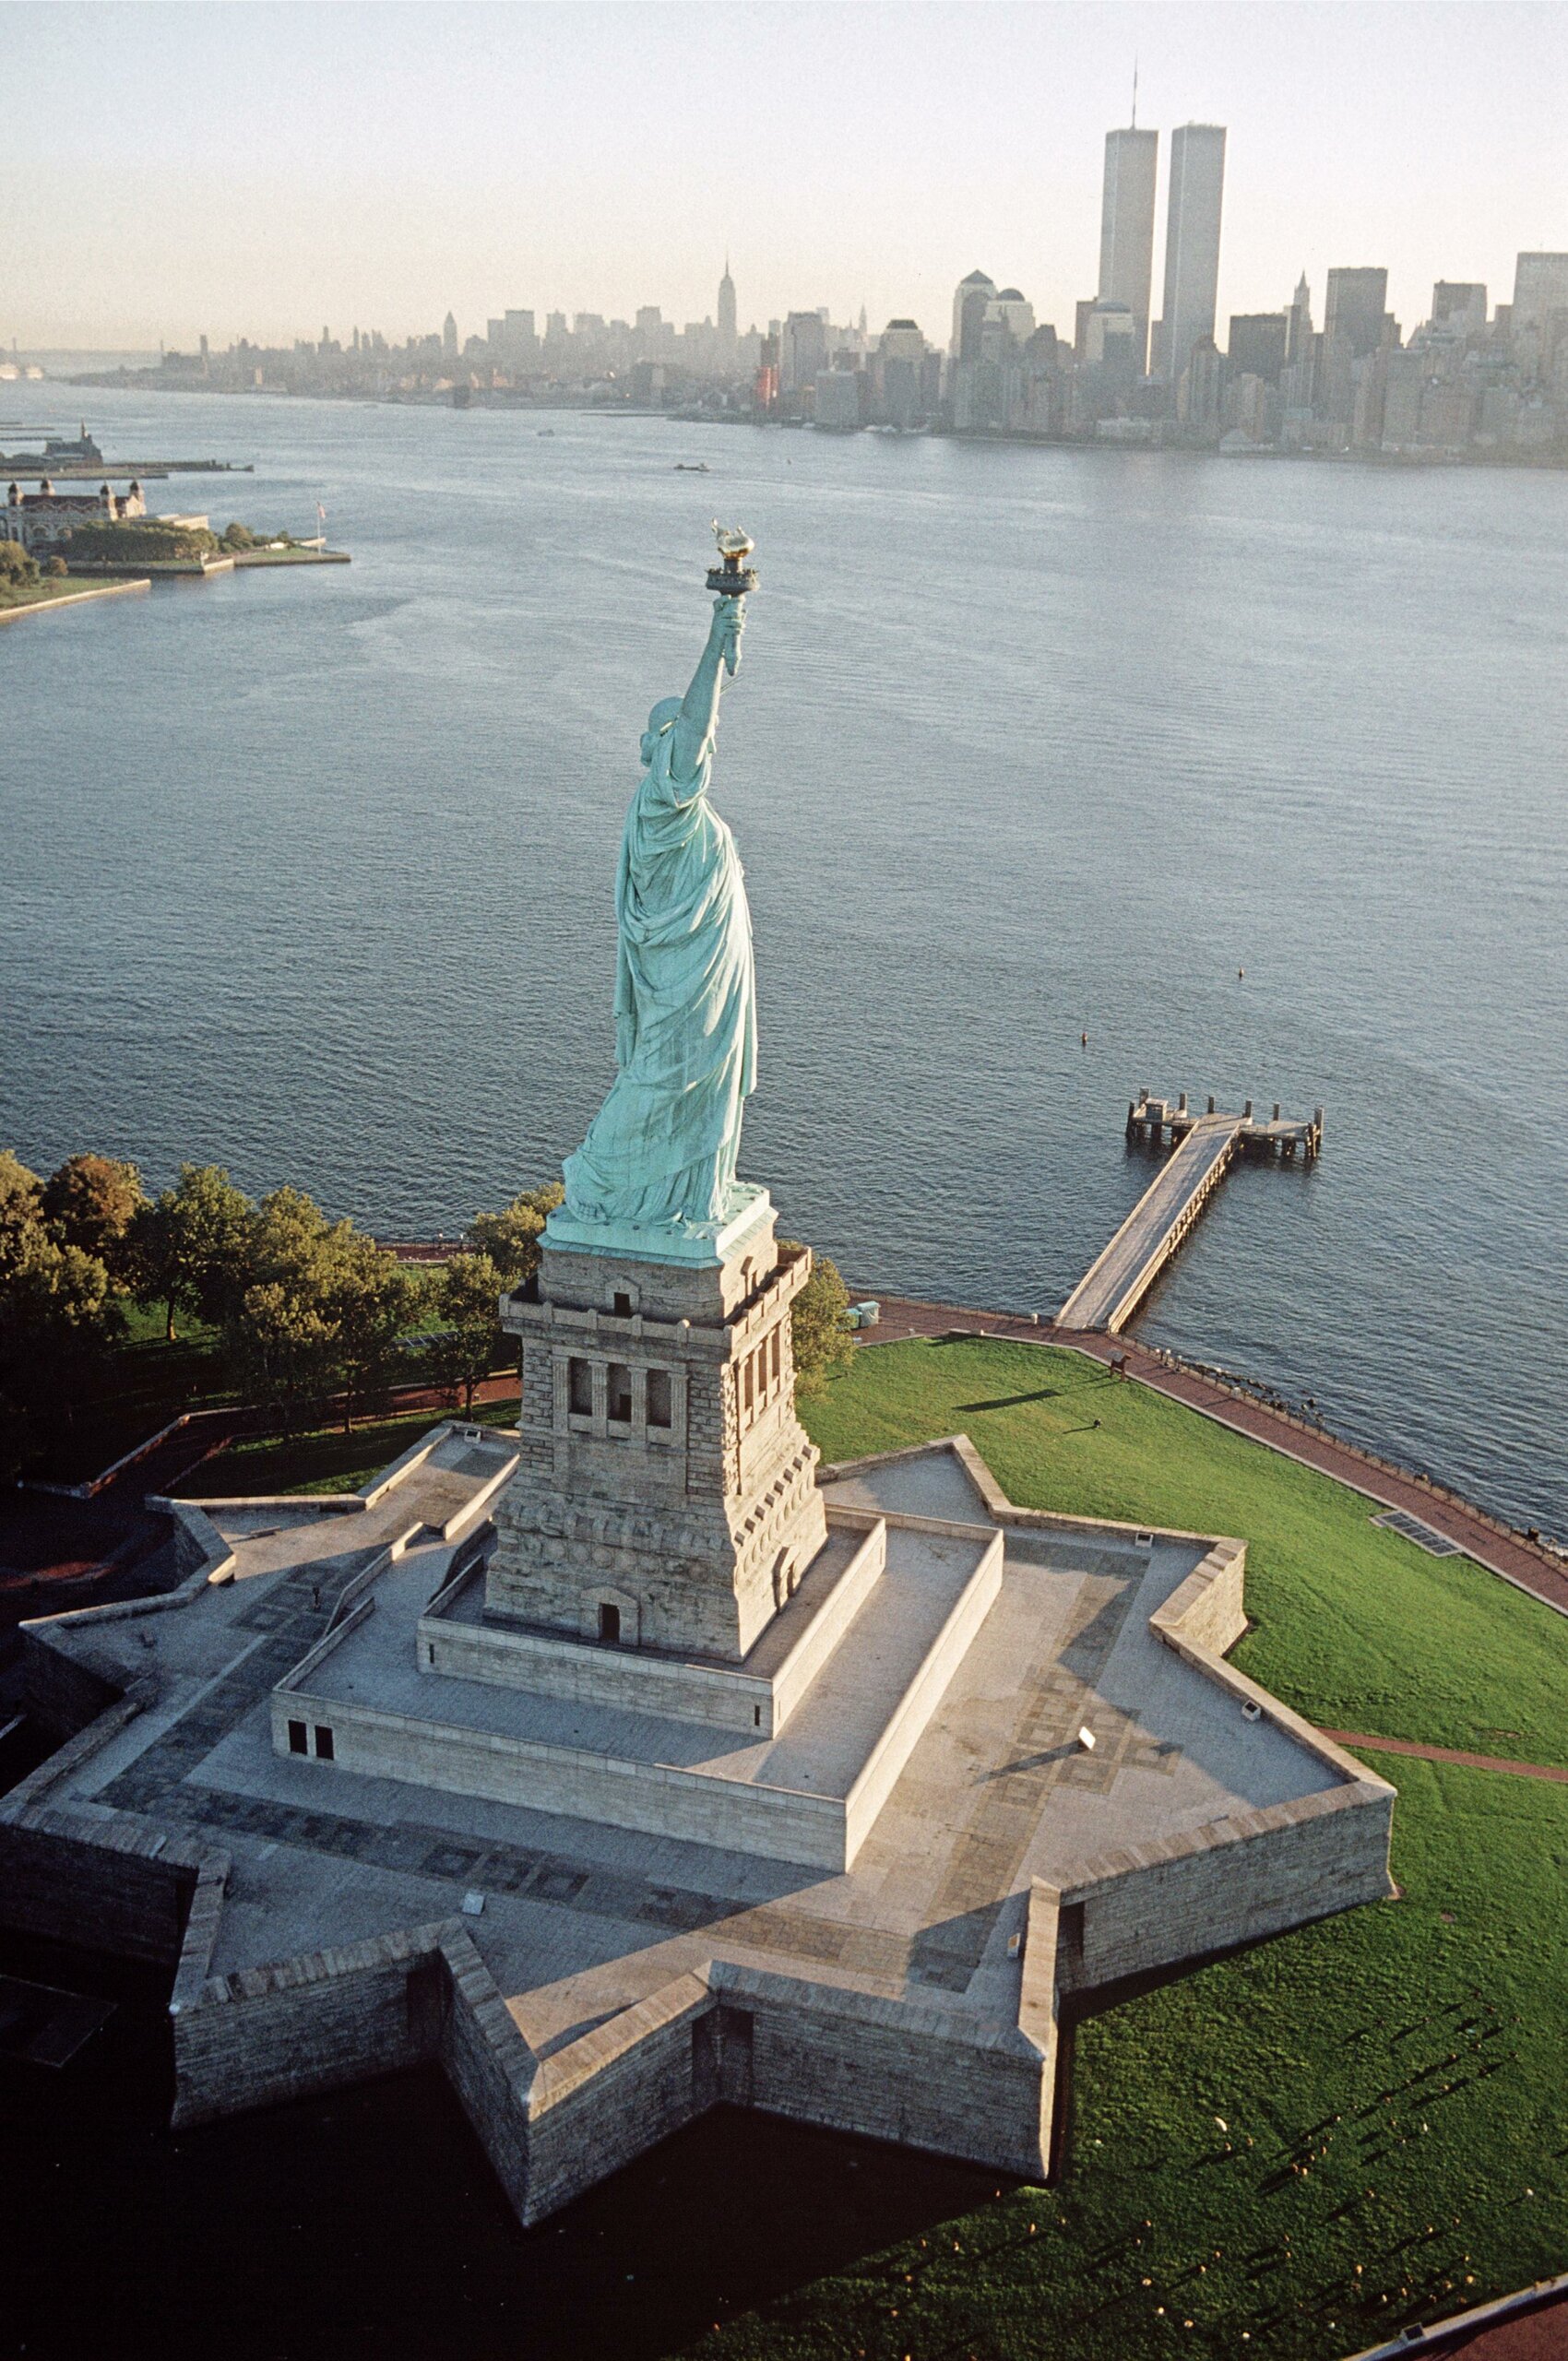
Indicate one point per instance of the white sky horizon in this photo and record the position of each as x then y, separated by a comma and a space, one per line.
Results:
265, 169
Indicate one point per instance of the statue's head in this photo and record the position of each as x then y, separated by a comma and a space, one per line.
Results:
665, 714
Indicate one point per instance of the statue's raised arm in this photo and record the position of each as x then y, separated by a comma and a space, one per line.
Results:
660, 1154
699, 706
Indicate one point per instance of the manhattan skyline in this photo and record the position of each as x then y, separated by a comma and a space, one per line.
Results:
603, 156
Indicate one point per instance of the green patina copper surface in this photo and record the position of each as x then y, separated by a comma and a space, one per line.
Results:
655, 1174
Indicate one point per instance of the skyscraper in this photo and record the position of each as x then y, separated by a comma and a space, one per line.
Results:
726, 314
1459, 304
1127, 230
802, 351
1540, 308
449, 338
969, 300
1257, 345
1354, 308
1192, 244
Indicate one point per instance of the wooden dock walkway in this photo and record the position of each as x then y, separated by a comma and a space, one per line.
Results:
1117, 1281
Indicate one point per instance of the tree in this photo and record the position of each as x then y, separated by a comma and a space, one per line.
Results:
58, 1322
280, 1348
145, 540
511, 1239
21, 1209
190, 1248
286, 1233
238, 537
55, 568
470, 1341
277, 1334
822, 1344
92, 1203
370, 1298
17, 567
324, 1309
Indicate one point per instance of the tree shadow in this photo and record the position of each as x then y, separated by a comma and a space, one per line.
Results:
1011, 1401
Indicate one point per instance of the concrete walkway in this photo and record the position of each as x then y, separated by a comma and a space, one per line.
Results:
1511, 1555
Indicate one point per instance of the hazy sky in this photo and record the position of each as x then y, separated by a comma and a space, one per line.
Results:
264, 170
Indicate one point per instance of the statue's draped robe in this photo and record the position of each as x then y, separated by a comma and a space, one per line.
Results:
663, 1148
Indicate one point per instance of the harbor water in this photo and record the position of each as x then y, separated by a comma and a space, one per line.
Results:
1249, 770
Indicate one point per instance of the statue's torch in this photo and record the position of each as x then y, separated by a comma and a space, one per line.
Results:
732, 578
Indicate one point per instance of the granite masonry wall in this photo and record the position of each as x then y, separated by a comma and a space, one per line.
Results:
720, 1697
1231, 1882
706, 1522
779, 1823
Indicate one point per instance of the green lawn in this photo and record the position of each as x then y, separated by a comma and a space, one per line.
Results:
14, 594
326, 1459
148, 1384
1354, 1626
1391, 2090
1359, 2124
290, 557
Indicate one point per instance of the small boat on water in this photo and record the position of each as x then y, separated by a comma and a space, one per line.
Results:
692, 467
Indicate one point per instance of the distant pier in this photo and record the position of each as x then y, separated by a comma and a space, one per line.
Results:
1117, 1281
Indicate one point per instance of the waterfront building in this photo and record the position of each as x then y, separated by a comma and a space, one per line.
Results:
969, 300
802, 351
1296, 383
1127, 230
1459, 304
839, 399
904, 377
1010, 313
519, 342
1256, 345
1405, 383
1202, 388
765, 386
1356, 309
1355, 328
1251, 410
44, 518
1192, 245
1539, 323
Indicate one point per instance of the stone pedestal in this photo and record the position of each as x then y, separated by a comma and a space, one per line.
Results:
666, 1493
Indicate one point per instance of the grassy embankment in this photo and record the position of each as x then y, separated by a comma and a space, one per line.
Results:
148, 1382
16, 596
151, 1381
291, 557
1298, 2149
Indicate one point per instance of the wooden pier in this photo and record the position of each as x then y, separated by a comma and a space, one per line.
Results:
1117, 1281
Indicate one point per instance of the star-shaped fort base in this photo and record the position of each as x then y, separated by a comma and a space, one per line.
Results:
1081, 1789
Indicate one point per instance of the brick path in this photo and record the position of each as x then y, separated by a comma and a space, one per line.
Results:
1449, 1754
1511, 1555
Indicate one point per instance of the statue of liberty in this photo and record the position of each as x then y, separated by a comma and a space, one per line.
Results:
661, 1153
